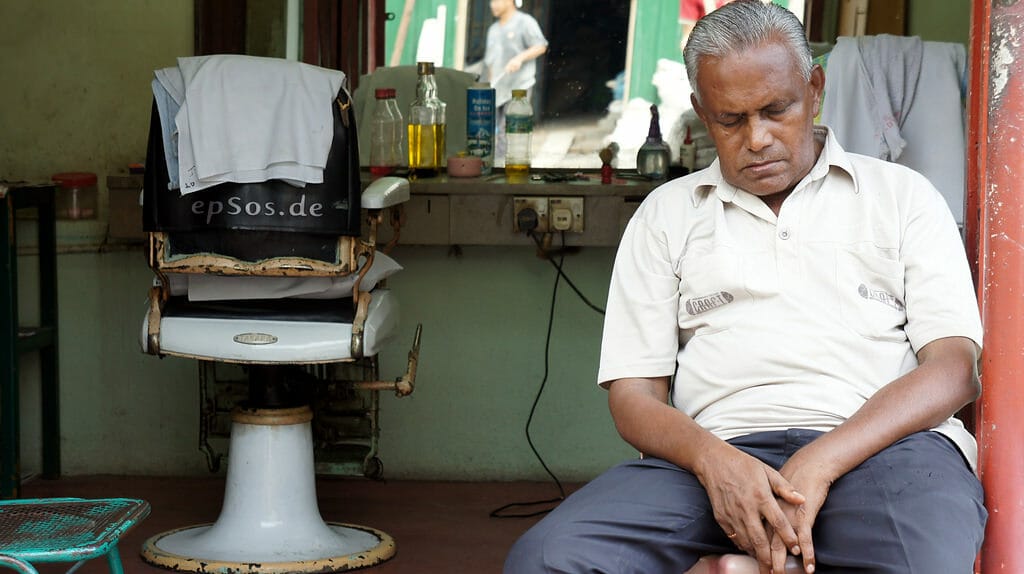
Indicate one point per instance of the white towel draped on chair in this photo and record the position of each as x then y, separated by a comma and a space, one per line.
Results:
248, 119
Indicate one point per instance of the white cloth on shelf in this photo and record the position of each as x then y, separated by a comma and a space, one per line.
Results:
927, 97
248, 119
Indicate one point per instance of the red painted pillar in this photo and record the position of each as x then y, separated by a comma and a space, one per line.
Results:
999, 127
977, 128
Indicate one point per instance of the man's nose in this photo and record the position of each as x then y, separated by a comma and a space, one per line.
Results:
759, 134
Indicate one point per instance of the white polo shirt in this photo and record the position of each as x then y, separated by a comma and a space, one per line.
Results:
770, 323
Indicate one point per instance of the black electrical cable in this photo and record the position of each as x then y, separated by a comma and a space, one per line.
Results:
499, 512
558, 267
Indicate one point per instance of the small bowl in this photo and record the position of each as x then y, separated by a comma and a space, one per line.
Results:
464, 166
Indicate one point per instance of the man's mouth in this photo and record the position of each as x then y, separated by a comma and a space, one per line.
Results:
763, 167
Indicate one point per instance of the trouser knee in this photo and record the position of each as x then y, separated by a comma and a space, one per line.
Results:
526, 554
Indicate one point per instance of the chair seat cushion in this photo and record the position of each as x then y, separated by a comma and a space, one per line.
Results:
283, 331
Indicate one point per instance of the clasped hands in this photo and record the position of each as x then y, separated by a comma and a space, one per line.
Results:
766, 513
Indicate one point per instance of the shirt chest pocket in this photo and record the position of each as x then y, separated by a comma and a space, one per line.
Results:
712, 295
871, 295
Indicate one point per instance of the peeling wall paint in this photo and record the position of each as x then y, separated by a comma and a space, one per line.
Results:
1006, 43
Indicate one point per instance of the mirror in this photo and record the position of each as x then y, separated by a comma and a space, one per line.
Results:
606, 62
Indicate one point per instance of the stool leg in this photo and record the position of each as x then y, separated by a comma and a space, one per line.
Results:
17, 565
114, 560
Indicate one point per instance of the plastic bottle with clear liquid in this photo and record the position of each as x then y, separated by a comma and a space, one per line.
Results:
426, 126
387, 131
518, 136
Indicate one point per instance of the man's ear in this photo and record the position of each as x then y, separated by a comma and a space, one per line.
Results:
817, 84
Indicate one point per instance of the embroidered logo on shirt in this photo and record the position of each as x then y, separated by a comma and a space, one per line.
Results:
881, 296
699, 305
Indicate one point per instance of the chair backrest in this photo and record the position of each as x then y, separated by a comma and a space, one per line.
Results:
254, 221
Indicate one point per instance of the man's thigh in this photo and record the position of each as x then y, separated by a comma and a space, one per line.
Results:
643, 516
915, 507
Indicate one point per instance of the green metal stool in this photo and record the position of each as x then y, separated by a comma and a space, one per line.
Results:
37, 530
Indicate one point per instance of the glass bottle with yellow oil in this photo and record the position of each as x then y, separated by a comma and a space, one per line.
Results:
426, 126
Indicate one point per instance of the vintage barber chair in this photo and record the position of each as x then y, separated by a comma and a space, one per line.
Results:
291, 348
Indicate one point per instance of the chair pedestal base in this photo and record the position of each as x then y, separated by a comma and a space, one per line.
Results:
270, 522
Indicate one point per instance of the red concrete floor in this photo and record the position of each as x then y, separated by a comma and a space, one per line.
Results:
438, 527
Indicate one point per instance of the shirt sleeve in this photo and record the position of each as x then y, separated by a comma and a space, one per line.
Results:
940, 296
641, 334
532, 34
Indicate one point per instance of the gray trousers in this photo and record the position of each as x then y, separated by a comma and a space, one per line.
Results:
914, 508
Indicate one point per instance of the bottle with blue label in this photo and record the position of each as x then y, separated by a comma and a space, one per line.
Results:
480, 124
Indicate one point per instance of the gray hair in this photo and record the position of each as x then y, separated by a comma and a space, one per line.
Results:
741, 25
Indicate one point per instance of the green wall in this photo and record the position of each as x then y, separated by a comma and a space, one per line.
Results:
76, 97
946, 21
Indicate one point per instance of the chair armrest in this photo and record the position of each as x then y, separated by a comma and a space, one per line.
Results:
385, 192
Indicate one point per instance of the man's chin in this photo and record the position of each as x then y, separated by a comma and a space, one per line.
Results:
764, 187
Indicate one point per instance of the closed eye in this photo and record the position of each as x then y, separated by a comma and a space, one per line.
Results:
730, 120
777, 109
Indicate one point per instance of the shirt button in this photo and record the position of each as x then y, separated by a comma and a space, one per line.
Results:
784, 234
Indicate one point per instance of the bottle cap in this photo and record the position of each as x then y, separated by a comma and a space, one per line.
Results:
654, 133
423, 68
383, 93
73, 179
518, 93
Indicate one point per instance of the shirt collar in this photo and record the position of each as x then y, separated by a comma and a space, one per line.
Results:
832, 155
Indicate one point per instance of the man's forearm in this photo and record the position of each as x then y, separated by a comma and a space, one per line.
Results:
532, 53
942, 384
646, 421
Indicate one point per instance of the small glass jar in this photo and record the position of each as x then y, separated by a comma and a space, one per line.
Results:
76, 195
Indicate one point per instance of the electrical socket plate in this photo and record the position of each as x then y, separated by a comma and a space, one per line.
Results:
538, 204
566, 214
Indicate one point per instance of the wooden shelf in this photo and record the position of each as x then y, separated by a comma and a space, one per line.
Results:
16, 339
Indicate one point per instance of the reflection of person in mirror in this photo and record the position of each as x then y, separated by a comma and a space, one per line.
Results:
514, 42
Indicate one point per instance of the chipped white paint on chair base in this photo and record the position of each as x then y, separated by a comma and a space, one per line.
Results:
269, 522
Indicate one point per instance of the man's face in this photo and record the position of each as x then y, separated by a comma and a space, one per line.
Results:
760, 113
499, 7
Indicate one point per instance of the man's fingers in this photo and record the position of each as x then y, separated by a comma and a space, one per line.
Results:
757, 541
779, 554
783, 489
781, 526
806, 544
